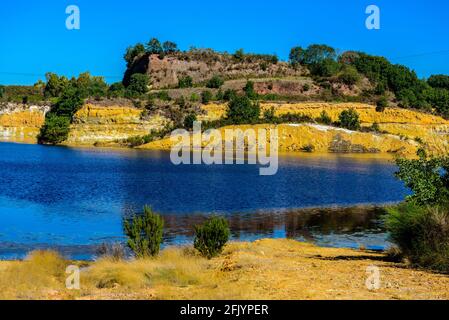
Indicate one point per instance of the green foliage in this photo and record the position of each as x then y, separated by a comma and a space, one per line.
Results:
138, 85
134, 52
144, 233
239, 55
375, 127
116, 90
249, 90
269, 115
324, 118
296, 56
428, 178
154, 47
170, 47
421, 233
241, 110
349, 76
55, 85
325, 68
439, 98
211, 237
57, 121
2, 91
194, 97
349, 119
206, 96
439, 81
381, 104
229, 94
90, 86
55, 130
215, 82
189, 120
185, 82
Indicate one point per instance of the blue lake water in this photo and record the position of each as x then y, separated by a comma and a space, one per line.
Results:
74, 199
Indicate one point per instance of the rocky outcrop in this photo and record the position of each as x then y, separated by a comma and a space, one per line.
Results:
166, 72
94, 124
21, 123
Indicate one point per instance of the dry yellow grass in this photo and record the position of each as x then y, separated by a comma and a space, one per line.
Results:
265, 269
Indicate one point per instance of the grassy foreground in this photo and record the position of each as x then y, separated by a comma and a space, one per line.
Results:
265, 269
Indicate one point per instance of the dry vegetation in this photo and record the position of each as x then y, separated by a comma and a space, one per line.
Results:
266, 269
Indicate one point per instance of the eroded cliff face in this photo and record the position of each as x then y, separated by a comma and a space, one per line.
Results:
21, 123
95, 124
103, 124
405, 125
167, 71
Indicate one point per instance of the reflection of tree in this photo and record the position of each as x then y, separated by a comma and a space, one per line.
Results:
299, 223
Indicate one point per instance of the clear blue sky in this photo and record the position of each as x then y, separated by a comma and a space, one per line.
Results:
34, 38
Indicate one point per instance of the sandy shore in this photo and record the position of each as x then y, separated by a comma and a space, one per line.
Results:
265, 269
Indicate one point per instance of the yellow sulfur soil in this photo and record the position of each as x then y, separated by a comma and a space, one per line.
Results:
265, 269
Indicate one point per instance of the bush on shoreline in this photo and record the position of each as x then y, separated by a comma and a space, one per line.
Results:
211, 237
144, 233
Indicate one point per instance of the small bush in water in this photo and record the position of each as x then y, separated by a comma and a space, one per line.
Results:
211, 237
144, 233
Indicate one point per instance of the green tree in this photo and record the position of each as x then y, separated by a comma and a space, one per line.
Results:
239, 55
211, 237
296, 56
2, 91
189, 120
439, 81
349, 119
185, 82
381, 104
427, 177
242, 110
116, 90
133, 52
206, 96
144, 233
349, 76
154, 47
215, 82
55, 130
170, 47
138, 85
55, 85
249, 90
325, 68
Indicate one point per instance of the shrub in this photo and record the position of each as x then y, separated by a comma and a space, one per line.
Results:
249, 90
2, 91
349, 119
381, 104
185, 82
324, 118
194, 97
428, 178
189, 120
325, 68
306, 87
269, 115
215, 82
439, 81
55, 130
242, 110
349, 76
308, 148
375, 127
116, 90
154, 47
421, 233
144, 233
113, 251
211, 237
138, 85
229, 95
206, 97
